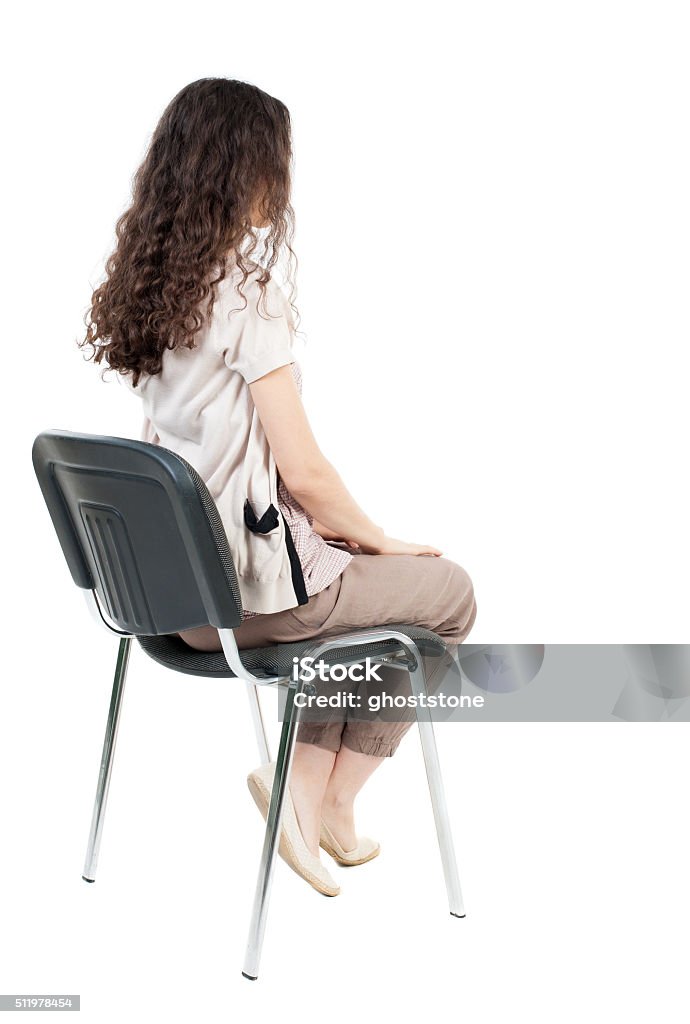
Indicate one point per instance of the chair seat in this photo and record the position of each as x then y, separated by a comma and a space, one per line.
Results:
276, 660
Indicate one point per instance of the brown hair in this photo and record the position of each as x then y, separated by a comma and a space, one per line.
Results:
220, 147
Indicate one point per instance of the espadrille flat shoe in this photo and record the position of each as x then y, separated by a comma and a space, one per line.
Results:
292, 848
366, 849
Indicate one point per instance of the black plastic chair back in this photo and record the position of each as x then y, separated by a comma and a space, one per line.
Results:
137, 524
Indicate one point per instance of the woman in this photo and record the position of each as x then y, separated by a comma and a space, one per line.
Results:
203, 333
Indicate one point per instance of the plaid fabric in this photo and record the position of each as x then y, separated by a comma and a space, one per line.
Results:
321, 562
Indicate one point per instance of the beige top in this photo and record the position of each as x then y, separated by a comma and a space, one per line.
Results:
200, 407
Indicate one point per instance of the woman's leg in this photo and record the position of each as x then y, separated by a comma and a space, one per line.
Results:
375, 591
312, 760
349, 773
311, 769
202, 638
380, 590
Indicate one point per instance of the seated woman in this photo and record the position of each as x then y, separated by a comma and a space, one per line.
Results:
179, 317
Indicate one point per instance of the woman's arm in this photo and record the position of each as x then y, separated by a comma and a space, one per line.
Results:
308, 474
327, 534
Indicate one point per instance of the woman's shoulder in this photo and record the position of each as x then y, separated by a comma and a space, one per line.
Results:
245, 313
262, 298
253, 332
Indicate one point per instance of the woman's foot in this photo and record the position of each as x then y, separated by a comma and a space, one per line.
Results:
339, 838
292, 848
365, 850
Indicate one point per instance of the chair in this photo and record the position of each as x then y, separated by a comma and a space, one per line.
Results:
144, 541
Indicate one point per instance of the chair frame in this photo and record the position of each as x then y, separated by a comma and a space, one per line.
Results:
410, 661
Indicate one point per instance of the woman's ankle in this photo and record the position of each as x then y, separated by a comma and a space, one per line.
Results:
339, 815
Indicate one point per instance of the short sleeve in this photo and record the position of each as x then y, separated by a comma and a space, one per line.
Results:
254, 343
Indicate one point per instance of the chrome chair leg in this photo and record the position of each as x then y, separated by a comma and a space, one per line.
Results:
438, 798
259, 725
106, 761
272, 835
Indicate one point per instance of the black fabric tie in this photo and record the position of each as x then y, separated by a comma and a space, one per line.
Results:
268, 521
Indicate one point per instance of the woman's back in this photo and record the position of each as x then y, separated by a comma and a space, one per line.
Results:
200, 407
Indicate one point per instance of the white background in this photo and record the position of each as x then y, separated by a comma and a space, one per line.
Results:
492, 228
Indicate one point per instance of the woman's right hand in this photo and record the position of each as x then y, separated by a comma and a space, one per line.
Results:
392, 546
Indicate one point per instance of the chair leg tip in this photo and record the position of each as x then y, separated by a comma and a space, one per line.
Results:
453, 914
251, 977
88, 879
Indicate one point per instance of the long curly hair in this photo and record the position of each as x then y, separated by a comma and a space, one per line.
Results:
221, 151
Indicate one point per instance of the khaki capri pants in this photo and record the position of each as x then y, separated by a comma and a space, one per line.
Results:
373, 590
